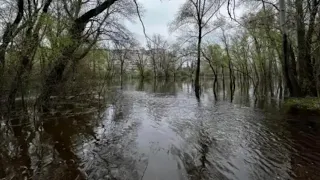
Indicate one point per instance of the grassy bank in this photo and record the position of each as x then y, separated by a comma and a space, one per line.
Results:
302, 105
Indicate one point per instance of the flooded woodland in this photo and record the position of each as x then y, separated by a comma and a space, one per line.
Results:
160, 130
159, 90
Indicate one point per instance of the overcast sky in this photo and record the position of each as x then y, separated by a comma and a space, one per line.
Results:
157, 15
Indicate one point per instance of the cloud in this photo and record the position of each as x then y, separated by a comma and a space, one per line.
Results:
158, 14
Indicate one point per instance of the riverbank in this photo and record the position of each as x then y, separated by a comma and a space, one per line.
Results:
302, 105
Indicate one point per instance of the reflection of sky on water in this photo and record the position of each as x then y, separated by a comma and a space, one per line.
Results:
162, 132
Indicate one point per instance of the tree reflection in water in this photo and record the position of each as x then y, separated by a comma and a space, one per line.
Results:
162, 132
197, 157
68, 144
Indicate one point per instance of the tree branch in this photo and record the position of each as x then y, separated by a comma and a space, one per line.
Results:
95, 11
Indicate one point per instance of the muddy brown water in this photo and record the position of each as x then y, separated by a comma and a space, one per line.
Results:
162, 132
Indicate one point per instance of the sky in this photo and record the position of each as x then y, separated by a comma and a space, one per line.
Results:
156, 17
159, 13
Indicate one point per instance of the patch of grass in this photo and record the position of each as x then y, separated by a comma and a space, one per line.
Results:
302, 105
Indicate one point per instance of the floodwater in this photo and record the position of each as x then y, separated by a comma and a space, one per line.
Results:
160, 131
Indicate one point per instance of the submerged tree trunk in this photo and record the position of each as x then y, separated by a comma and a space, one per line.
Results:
223, 81
121, 73
22, 73
154, 66
232, 78
197, 78
215, 75
230, 67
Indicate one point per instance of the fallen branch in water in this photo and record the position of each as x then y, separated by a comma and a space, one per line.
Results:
144, 171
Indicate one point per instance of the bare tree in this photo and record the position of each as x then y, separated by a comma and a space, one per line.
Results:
198, 13
122, 55
156, 46
141, 62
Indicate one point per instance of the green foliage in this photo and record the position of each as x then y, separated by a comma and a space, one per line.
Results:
310, 105
218, 55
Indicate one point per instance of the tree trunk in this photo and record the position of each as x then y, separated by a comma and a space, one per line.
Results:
154, 66
9, 31
54, 79
306, 77
121, 72
312, 88
223, 82
197, 78
288, 69
270, 77
31, 43
25, 68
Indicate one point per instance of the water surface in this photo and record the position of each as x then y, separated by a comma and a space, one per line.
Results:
161, 131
